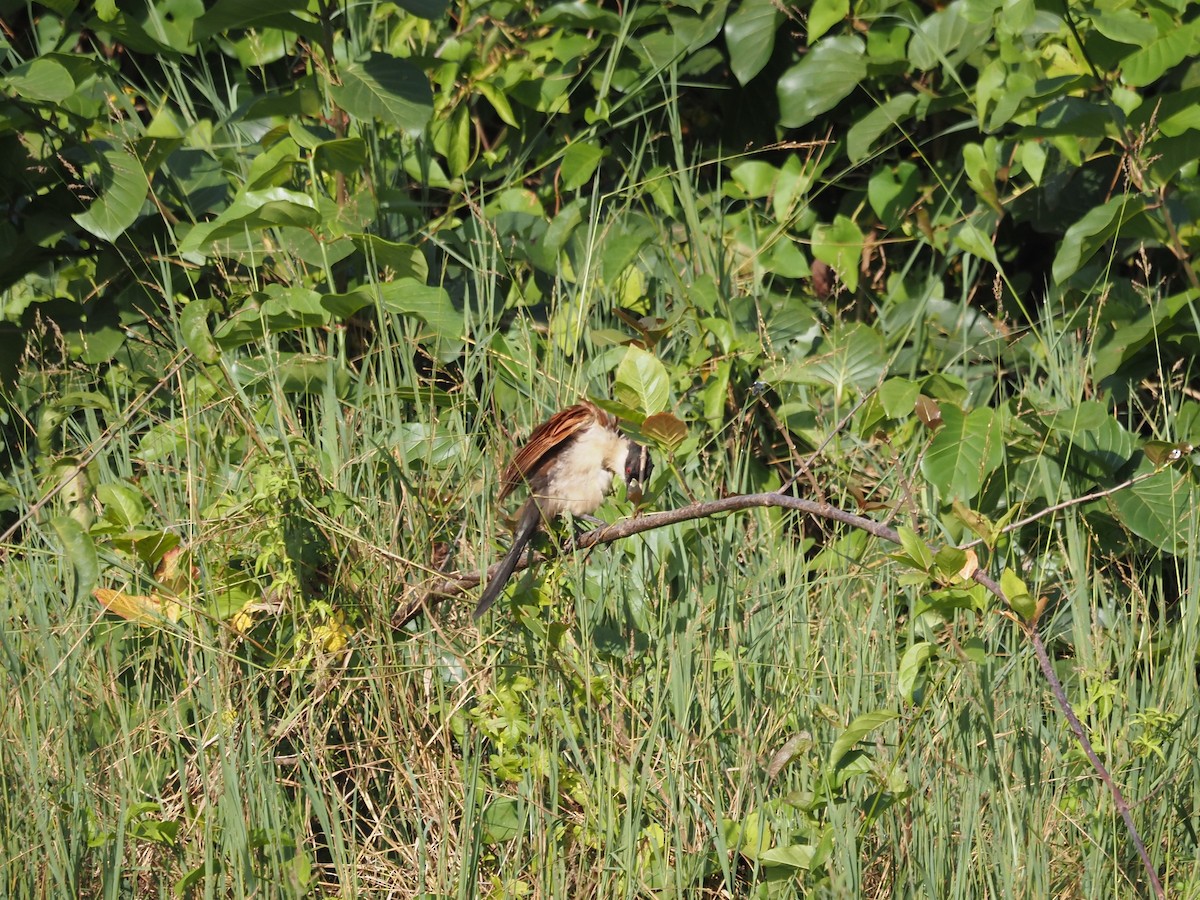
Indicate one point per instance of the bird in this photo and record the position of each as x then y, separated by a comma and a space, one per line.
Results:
568, 462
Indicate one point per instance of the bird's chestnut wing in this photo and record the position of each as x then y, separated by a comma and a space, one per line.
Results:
548, 438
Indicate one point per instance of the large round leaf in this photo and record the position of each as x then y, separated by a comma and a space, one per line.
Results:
1087, 236
429, 303
1161, 509
387, 88
642, 382
41, 80
840, 245
967, 449
817, 83
878, 122
122, 190
750, 37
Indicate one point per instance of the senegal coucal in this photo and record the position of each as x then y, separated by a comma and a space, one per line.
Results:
568, 463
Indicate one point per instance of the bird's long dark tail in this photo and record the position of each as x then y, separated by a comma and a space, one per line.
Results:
526, 527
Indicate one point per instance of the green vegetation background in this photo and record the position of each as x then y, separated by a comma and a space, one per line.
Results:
283, 285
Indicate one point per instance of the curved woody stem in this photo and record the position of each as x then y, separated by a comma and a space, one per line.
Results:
606, 534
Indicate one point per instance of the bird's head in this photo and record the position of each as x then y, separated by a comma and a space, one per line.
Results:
638, 468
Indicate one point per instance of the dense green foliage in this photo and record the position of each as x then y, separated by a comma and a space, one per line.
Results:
283, 282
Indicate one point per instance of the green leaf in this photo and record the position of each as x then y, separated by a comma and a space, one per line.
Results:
949, 561
1093, 232
892, 192
855, 732
1017, 594
122, 504
823, 15
499, 102
41, 80
1077, 420
121, 193
945, 602
101, 336
343, 306
291, 373
750, 37
193, 328
580, 161
840, 245
502, 821
622, 243
150, 545
878, 122
964, 452
898, 396
392, 259
1180, 121
970, 237
347, 155
820, 81
975, 650
563, 225
458, 152
641, 382
288, 307
945, 37
979, 164
253, 211
755, 178
162, 441
578, 14
756, 835
431, 305
274, 168
1124, 26
915, 551
911, 666
386, 88
795, 180
979, 524
226, 16
1148, 64
425, 9
1033, 159
1161, 509
853, 358
785, 258
1128, 340
793, 856
80, 552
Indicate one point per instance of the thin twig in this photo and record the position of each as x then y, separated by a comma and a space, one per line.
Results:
1066, 504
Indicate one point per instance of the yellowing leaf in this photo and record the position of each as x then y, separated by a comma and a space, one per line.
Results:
145, 610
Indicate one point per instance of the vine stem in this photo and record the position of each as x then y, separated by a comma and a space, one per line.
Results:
624, 528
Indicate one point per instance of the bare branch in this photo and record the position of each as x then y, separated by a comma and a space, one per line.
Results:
606, 534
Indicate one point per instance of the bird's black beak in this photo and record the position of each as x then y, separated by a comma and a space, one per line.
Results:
638, 468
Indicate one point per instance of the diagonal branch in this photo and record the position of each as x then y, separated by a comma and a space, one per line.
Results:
606, 534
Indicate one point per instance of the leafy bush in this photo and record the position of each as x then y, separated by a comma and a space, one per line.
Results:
280, 278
